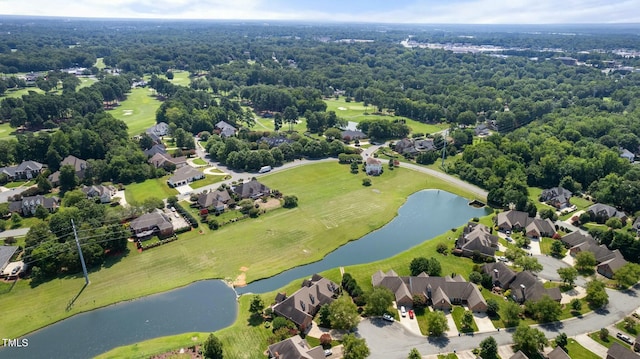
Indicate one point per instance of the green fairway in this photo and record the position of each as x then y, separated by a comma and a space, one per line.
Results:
20, 92
355, 112
100, 63
86, 82
334, 208
154, 187
181, 78
6, 131
138, 111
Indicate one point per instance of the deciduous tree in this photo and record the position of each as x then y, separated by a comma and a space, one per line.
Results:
529, 340
596, 295
354, 348
568, 274
379, 300
437, 323
489, 348
343, 313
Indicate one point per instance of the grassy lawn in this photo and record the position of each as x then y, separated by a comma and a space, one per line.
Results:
200, 162
138, 111
181, 78
330, 219
421, 317
608, 342
545, 246
86, 82
354, 111
633, 331
447, 356
18, 184
100, 63
457, 313
155, 187
20, 92
577, 351
207, 180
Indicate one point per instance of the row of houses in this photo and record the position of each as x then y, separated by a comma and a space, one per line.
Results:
441, 292
608, 261
524, 285
518, 220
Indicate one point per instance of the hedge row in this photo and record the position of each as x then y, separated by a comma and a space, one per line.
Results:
187, 215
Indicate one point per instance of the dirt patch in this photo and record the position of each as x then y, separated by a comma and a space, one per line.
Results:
241, 280
192, 352
243, 269
269, 204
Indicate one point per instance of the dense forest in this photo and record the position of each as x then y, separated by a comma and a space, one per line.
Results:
555, 123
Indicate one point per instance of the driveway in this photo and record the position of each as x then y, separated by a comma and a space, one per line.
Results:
590, 344
20, 232
393, 341
483, 322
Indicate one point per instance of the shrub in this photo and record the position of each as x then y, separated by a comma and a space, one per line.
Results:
325, 340
290, 201
282, 322
213, 224
441, 248
603, 333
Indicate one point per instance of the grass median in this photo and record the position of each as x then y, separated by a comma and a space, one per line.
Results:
334, 208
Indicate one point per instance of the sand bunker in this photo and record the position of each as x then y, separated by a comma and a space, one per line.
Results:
342, 108
127, 112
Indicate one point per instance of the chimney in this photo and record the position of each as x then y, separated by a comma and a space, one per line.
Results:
522, 288
495, 273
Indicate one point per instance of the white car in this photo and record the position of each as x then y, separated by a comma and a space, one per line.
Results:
327, 352
403, 311
388, 318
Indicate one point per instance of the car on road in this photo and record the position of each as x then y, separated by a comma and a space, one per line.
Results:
624, 338
388, 318
403, 311
410, 313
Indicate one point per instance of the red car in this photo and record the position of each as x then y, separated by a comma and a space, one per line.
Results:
410, 314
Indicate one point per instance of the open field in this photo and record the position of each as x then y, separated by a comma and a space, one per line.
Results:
154, 187
221, 255
100, 63
138, 111
86, 82
181, 78
354, 111
20, 92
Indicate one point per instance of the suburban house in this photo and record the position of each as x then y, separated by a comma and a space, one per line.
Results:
608, 261
441, 292
558, 353
534, 227
252, 189
626, 154
405, 147
302, 305
524, 285
481, 130
373, 166
6, 252
163, 160
274, 141
28, 205
78, 164
151, 223
476, 238
294, 348
557, 197
184, 175
155, 149
104, 193
158, 130
353, 135
636, 225
216, 200
519, 355
25, 170
601, 213
225, 129
618, 351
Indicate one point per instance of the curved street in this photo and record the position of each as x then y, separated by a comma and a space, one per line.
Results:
392, 340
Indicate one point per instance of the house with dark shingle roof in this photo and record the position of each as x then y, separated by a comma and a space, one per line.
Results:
602, 212
516, 220
252, 189
25, 170
353, 135
79, 165
163, 159
155, 149
558, 353
557, 197
274, 141
526, 287
6, 252
28, 205
519, 355
608, 261
618, 351
501, 274
294, 348
441, 292
302, 305
151, 223
104, 193
158, 130
216, 200
476, 238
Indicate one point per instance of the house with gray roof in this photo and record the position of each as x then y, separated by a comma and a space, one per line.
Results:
516, 220
151, 223
79, 165
184, 175
102, 192
294, 348
27, 205
25, 170
163, 159
274, 141
558, 353
225, 129
626, 154
216, 200
476, 238
353, 135
557, 197
618, 351
600, 213
159, 129
501, 274
526, 287
6, 252
519, 355
155, 149
441, 292
302, 305
252, 189
608, 261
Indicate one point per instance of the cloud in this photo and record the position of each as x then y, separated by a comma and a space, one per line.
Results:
403, 11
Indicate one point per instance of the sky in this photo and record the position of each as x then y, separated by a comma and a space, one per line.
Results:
385, 11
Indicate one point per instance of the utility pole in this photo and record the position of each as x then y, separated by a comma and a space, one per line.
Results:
444, 149
84, 266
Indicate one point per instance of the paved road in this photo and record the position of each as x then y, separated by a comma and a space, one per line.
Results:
392, 340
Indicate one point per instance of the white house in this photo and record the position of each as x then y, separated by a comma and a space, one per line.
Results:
184, 175
373, 166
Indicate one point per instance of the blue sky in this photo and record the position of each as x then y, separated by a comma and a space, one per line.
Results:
390, 11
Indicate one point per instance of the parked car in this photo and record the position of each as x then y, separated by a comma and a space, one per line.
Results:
388, 318
403, 311
410, 313
327, 352
624, 338
15, 270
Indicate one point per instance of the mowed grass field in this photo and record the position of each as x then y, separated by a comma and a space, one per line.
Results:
334, 208
154, 187
354, 111
138, 111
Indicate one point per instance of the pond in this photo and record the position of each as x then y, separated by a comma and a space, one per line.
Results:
210, 305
